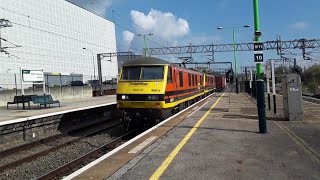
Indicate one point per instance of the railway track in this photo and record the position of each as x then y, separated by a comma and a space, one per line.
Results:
60, 155
32, 160
317, 96
74, 165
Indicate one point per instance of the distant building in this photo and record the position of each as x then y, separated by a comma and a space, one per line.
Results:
52, 35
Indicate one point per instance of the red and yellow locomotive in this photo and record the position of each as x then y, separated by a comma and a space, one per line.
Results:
150, 89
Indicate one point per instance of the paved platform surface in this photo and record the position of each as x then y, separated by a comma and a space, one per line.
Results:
225, 144
14, 113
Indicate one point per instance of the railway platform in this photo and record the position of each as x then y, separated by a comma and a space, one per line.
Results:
218, 139
14, 115
18, 127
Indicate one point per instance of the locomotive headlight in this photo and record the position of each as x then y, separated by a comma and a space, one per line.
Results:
153, 97
124, 97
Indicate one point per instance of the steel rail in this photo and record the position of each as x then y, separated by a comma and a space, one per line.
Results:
60, 171
45, 152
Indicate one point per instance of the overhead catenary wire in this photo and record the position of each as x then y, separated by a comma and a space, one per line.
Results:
147, 31
53, 24
29, 26
113, 11
75, 39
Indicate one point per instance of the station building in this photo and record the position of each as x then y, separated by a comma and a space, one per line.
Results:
51, 35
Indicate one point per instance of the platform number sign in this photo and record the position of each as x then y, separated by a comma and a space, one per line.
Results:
258, 58
258, 52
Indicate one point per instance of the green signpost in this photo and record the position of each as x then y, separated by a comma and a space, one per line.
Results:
258, 57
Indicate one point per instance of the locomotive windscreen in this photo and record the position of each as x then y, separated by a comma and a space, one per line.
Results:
142, 73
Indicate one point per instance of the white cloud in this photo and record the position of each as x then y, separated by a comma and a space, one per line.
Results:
163, 24
127, 38
166, 27
299, 25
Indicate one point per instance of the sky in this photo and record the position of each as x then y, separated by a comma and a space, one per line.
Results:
175, 23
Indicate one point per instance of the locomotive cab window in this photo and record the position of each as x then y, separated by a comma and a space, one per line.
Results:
152, 72
131, 73
142, 73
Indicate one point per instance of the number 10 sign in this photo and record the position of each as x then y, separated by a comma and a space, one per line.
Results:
258, 52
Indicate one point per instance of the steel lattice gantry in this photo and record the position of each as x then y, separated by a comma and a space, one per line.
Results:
108, 55
268, 45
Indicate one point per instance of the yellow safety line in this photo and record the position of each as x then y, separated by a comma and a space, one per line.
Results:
168, 160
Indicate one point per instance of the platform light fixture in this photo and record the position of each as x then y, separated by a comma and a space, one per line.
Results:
145, 42
234, 50
94, 67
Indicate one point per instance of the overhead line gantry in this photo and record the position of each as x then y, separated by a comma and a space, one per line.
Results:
211, 48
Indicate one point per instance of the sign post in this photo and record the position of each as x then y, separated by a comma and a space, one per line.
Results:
21, 82
251, 79
268, 76
28, 76
274, 88
258, 58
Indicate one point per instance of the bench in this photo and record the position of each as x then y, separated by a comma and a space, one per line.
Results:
22, 100
43, 100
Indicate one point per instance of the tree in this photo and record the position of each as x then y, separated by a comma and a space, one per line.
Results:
311, 78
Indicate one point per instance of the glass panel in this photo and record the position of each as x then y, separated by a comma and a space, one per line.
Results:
196, 80
169, 78
152, 72
131, 73
181, 79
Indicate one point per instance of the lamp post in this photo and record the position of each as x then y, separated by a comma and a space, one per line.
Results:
15, 75
234, 50
145, 42
94, 67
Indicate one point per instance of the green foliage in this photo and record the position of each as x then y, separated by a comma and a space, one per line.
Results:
311, 78
281, 70
312, 87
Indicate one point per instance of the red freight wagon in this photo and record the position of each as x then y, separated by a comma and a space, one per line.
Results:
220, 83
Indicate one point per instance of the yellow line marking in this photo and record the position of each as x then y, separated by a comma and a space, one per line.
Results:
157, 174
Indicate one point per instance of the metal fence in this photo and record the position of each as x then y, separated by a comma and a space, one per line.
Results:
245, 87
12, 80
